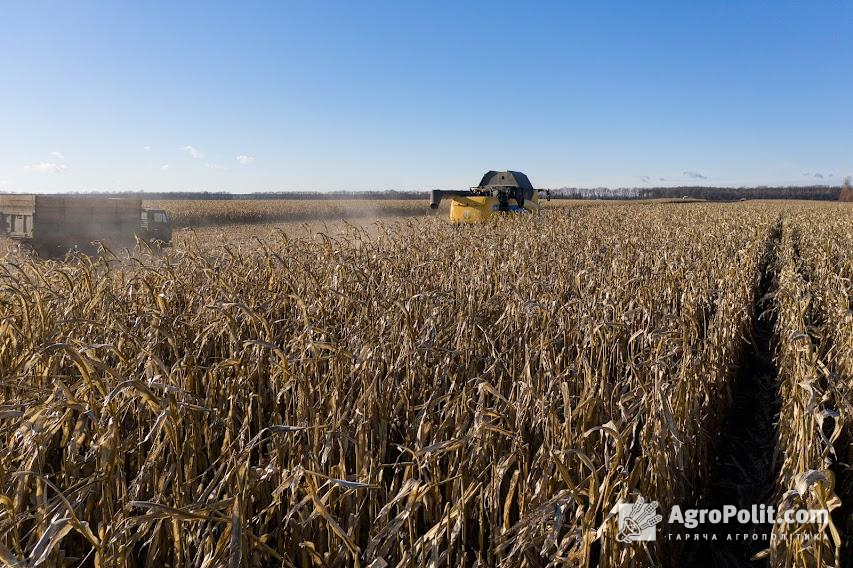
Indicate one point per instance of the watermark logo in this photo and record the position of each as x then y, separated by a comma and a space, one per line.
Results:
637, 521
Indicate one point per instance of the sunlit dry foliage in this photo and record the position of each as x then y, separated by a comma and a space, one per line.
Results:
200, 213
421, 394
815, 336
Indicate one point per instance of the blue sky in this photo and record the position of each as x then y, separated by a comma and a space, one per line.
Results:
255, 96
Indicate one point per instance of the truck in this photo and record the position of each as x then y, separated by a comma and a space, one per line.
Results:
54, 224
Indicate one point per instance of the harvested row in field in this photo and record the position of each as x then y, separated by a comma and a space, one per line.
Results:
745, 462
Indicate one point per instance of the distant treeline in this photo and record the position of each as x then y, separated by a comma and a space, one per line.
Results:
813, 192
293, 195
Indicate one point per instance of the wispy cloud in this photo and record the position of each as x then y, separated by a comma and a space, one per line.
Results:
645, 179
46, 167
146, 148
164, 168
245, 160
818, 175
661, 179
694, 174
194, 152
59, 156
217, 167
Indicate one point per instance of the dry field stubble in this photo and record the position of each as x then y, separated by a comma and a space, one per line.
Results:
415, 394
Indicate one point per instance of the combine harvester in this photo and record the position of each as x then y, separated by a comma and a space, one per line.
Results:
54, 224
498, 192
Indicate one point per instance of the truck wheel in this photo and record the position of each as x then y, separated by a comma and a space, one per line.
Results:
26, 249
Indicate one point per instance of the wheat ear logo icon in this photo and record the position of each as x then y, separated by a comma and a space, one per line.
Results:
632, 527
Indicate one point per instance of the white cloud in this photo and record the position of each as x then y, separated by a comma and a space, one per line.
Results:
46, 167
58, 156
217, 167
194, 152
164, 168
146, 148
245, 160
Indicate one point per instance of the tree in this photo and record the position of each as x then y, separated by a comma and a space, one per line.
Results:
846, 191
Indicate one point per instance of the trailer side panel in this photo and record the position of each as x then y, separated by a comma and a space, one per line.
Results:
78, 221
16, 216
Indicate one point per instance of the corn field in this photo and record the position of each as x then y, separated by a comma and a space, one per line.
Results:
816, 378
200, 213
421, 394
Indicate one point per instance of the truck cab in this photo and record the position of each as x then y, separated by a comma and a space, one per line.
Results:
155, 226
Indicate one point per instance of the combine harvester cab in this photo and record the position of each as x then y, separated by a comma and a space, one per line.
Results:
498, 192
55, 224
